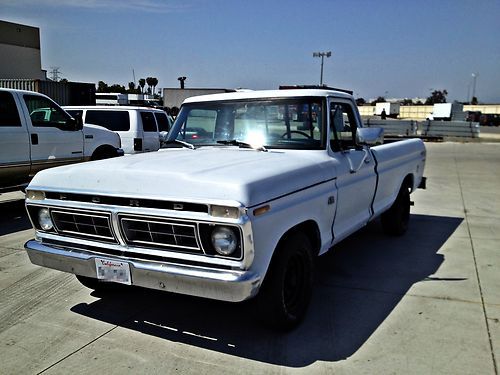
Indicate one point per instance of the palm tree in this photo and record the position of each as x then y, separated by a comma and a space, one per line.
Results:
154, 81
142, 83
149, 81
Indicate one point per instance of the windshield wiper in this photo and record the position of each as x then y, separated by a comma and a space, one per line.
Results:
184, 144
235, 142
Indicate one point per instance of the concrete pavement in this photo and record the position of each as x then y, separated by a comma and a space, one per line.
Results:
428, 302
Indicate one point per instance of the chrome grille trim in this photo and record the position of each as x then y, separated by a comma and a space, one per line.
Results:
86, 224
155, 232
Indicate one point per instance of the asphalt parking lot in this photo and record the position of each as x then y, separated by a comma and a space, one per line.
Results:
428, 302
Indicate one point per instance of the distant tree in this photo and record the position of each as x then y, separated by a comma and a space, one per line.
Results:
418, 102
117, 88
150, 81
380, 99
474, 101
102, 87
437, 96
407, 101
131, 87
64, 80
360, 101
142, 83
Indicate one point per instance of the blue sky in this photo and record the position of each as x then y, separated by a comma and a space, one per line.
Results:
390, 48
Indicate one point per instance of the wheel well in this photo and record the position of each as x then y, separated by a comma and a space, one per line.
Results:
311, 230
103, 150
408, 182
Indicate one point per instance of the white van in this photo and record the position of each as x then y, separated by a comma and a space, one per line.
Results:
138, 127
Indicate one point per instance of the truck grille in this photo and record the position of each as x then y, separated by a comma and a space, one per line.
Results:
84, 224
155, 232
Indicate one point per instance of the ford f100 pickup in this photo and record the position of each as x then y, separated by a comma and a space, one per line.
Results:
254, 187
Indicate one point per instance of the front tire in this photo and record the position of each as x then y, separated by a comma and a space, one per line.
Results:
395, 220
103, 153
285, 295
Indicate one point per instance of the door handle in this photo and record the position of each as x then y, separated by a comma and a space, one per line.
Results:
34, 138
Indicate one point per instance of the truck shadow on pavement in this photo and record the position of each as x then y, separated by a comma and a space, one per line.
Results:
13, 217
358, 286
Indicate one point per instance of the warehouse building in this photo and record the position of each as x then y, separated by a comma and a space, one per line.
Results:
20, 51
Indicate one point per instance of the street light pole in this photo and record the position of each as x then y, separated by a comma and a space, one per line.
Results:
474, 77
322, 55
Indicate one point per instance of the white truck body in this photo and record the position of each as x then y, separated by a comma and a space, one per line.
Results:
136, 126
391, 109
110, 98
35, 134
262, 172
447, 112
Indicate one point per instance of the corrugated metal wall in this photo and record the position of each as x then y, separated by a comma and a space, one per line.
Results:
63, 93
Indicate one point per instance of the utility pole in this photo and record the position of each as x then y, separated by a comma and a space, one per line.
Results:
54, 73
322, 55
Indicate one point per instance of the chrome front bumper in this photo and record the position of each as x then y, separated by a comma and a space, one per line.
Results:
224, 285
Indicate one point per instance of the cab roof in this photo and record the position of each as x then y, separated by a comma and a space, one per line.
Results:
268, 94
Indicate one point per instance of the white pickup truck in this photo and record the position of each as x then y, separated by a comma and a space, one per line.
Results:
257, 185
35, 133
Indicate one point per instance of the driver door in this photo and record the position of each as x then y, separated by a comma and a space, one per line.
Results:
53, 139
356, 177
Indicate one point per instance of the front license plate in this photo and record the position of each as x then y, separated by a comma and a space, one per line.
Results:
113, 270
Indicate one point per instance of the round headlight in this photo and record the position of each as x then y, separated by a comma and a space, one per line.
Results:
44, 219
224, 240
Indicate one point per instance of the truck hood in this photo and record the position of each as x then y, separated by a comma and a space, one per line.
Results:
210, 174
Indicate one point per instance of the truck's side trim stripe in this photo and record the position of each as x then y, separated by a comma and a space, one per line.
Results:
14, 164
294, 192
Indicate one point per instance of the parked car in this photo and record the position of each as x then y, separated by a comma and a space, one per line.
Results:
136, 126
489, 119
35, 133
257, 186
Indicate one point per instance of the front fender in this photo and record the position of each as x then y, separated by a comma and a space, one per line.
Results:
312, 204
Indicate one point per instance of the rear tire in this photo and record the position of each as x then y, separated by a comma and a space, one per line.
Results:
285, 295
395, 220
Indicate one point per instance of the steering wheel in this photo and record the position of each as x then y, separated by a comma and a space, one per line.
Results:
296, 132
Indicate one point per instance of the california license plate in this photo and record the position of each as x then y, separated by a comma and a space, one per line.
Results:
113, 270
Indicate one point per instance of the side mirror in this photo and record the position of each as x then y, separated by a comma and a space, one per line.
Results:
76, 123
369, 136
163, 137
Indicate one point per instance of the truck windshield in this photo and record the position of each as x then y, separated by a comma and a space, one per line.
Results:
277, 123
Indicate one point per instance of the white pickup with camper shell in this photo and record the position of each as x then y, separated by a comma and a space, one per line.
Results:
255, 186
